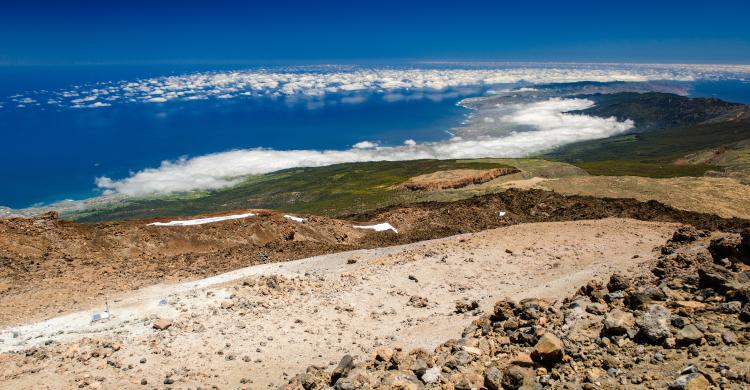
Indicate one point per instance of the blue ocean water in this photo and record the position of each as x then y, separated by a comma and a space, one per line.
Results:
50, 153
729, 90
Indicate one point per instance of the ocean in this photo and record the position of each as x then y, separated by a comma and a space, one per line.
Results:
50, 154
54, 143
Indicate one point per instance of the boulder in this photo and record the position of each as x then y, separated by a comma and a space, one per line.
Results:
548, 350
653, 324
618, 322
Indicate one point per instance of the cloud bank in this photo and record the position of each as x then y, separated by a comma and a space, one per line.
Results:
306, 82
550, 125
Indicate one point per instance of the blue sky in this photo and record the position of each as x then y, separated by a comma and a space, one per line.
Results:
38, 32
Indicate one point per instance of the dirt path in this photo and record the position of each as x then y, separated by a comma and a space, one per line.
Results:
256, 325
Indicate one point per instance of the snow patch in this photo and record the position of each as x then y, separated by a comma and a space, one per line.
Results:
381, 227
201, 221
295, 219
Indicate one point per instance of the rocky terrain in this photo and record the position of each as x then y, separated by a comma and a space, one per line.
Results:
256, 327
684, 326
81, 264
276, 300
453, 179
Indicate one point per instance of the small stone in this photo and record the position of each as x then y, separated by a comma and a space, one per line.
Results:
597, 308
732, 307
745, 313
618, 322
728, 337
493, 378
522, 359
504, 309
417, 301
144, 381
345, 365
228, 304
653, 324
618, 282
690, 334
692, 381
162, 324
548, 350
431, 375
463, 306
516, 377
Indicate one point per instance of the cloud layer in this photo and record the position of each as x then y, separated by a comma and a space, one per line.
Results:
549, 125
276, 82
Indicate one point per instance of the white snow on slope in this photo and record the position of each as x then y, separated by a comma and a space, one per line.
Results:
381, 227
201, 221
295, 219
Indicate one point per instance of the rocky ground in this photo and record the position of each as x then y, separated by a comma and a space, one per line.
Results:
82, 264
258, 326
227, 304
684, 326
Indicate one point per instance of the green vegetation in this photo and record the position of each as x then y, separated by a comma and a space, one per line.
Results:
663, 145
324, 190
670, 127
655, 110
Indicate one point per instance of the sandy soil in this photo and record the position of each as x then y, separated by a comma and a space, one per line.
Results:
725, 197
255, 326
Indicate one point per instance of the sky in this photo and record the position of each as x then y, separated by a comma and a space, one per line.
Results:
219, 31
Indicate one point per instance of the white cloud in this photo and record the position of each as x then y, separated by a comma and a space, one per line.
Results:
364, 145
387, 81
551, 127
410, 142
